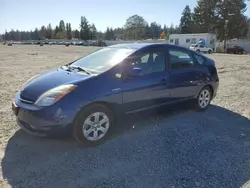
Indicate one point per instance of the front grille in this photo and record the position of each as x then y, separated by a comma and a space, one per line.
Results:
26, 101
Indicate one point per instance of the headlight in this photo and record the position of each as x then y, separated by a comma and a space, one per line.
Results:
53, 95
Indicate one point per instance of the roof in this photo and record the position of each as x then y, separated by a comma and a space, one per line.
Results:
135, 45
192, 34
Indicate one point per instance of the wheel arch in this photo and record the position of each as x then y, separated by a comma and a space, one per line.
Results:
103, 103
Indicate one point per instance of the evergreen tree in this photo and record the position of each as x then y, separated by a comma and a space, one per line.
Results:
62, 26
84, 29
186, 22
76, 34
49, 33
68, 31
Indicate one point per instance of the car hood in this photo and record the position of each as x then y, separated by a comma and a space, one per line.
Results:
44, 82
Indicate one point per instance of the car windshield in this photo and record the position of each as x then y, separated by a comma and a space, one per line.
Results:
102, 60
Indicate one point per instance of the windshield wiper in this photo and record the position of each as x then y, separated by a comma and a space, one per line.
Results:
79, 68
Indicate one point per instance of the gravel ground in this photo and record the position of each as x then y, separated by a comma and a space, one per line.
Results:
164, 148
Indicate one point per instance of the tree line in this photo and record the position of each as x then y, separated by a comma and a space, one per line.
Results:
224, 17
88, 31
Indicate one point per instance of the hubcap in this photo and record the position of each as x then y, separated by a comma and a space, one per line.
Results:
204, 98
95, 126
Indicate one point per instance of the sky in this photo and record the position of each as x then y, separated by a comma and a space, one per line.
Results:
28, 14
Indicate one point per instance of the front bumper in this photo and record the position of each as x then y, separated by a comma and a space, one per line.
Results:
58, 131
49, 121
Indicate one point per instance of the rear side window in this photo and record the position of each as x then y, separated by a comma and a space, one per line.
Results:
199, 59
180, 59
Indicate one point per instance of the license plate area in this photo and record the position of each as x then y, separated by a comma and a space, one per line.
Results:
15, 108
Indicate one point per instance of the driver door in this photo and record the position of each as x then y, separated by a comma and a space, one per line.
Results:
149, 88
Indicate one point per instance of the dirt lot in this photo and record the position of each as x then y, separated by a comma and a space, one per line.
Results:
181, 148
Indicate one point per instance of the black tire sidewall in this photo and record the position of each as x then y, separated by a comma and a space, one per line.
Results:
81, 117
198, 107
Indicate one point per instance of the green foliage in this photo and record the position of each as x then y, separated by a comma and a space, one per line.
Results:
61, 26
219, 49
135, 27
68, 31
109, 34
93, 32
76, 34
186, 22
84, 28
49, 33
224, 17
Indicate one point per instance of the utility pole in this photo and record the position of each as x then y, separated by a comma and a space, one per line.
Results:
225, 23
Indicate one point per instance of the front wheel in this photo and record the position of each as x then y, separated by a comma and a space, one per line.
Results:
198, 51
209, 51
92, 126
204, 98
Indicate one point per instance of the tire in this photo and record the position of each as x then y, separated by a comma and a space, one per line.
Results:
209, 51
84, 133
198, 51
202, 103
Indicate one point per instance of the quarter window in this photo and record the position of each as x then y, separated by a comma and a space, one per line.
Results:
201, 60
180, 59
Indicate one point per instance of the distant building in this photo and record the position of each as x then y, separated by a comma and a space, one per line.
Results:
186, 40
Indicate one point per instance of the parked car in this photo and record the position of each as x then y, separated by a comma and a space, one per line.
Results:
82, 43
99, 43
83, 98
200, 48
235, 50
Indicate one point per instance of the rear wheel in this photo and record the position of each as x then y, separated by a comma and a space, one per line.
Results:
209, 51
204, 98
92, 126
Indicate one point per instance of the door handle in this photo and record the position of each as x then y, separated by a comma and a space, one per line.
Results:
163, 81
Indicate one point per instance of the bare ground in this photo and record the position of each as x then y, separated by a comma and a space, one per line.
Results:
180, 149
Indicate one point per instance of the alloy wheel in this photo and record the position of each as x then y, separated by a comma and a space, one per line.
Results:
204, 98
95, 126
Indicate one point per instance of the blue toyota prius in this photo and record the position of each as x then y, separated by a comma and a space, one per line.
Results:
83, 98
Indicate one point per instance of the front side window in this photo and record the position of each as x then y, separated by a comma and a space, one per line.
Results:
102, 60
149, 62
180, 59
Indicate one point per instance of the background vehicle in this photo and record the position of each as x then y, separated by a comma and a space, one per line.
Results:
235, 50
83, 98
200, 48
99, 43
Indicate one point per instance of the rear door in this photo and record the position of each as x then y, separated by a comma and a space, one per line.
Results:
186, 74
150, 88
